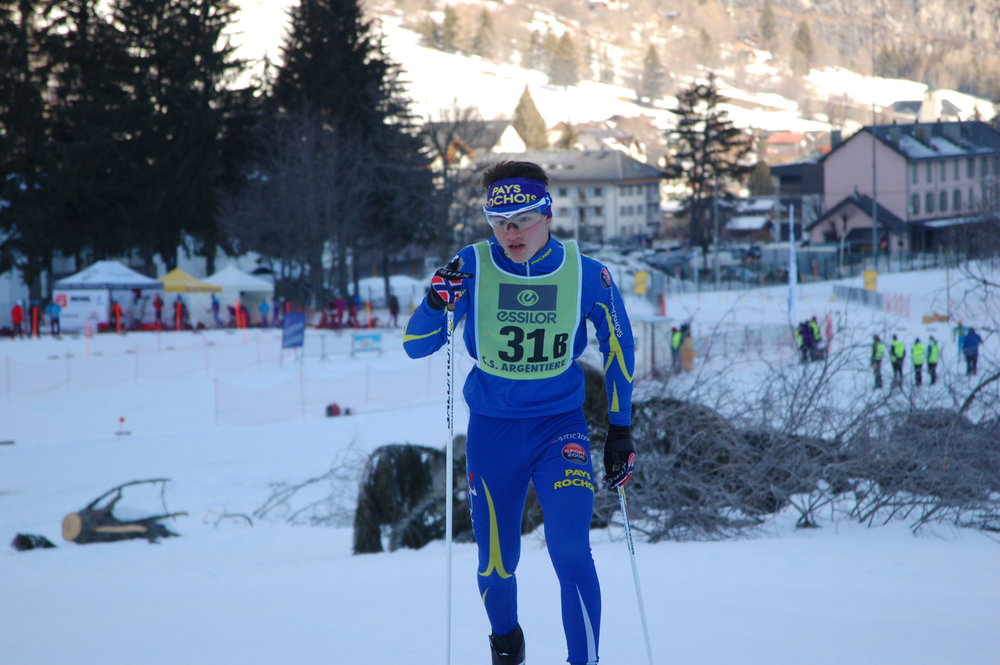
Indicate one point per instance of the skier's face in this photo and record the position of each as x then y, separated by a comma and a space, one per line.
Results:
523, 243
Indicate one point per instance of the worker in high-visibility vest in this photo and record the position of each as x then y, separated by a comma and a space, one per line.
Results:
933, 356
897, 352
676, 337
878, 352
918, 354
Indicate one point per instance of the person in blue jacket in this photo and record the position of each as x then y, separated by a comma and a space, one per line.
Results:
526, 298
970, 347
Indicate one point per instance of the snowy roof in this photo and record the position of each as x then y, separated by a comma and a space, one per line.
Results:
756, 205
864, 203
953, 221
589, 166
233, 277
748, 223
929, 140
477, 134
108, 275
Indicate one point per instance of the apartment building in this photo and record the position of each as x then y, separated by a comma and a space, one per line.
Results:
601, 195
926, 185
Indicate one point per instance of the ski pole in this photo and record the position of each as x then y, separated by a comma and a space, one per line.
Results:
449, 480
635, 573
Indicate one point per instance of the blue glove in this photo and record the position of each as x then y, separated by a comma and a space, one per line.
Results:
619, 456
446, 286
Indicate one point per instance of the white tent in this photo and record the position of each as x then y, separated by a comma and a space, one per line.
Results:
241, 286
86, 296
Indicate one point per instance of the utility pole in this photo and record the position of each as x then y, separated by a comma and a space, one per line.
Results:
874, 168
715, 222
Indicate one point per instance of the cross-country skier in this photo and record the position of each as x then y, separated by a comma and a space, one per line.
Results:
526, 297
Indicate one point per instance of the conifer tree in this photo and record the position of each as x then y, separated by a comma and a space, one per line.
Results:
760, 182
91, 175
709, 154
337, 80
533, 56
529, 123
653, 78
767, 25
802, 47
565, 67
27, 232
182, 119
587, 61
449, 30
605, 67
430, 33
550, 44
484, 42
568, 137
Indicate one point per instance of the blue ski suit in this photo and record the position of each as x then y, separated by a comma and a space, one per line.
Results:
526, 418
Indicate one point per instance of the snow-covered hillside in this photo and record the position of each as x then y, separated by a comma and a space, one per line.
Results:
437, 81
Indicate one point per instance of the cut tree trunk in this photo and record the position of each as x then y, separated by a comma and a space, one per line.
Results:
98, 524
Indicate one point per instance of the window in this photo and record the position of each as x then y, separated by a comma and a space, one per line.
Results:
985, 166
562, 191
563, 212
915, 204
914, 170
598, 191
944, 170
943, 201
954, 172
970, 167
956, 200
971, 201
621, 211
930, 172
598, 211
929, 202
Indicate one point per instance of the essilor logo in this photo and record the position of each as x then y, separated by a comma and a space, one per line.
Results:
527, 298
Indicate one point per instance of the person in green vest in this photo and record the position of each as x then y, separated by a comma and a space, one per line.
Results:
918, 354
933, 356
676, 337
799, 342
897, 352
878, 352
817, 335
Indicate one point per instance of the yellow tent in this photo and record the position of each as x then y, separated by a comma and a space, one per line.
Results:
179, 281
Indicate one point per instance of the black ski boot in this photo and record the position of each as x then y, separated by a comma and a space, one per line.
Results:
508, 649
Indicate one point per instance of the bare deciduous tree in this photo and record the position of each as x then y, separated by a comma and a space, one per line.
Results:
302, 204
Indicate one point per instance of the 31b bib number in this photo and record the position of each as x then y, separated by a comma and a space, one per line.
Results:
517, 339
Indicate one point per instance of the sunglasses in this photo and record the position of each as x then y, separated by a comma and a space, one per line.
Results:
521, 219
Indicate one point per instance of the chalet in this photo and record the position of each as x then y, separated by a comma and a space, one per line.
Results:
753, 220
464, 142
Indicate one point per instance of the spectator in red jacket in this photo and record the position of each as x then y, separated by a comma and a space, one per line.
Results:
17, 318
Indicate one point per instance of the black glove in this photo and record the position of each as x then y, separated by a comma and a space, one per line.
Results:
619, 456
446, 286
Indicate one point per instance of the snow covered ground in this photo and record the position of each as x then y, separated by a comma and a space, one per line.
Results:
225, 416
